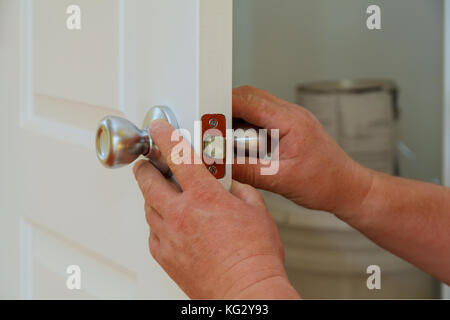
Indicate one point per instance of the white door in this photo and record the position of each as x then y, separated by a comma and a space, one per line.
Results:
59, 206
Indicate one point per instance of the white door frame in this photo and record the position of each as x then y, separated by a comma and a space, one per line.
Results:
446, 112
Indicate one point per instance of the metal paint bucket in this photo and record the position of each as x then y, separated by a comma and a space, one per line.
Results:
360, 115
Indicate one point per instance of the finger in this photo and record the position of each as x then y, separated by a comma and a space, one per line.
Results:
156, 189
187, 168
261, 112
248, 194
255, 175
243, 90
155, 221
154, 244
247, 173
148, 207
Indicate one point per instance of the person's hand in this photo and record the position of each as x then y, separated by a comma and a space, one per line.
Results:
313, 170
212, 243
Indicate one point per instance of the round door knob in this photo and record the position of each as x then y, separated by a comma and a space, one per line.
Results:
119, 142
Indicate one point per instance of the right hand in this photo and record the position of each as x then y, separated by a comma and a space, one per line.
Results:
313, 170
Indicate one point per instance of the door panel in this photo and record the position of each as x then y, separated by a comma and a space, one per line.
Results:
59, 206
80, 65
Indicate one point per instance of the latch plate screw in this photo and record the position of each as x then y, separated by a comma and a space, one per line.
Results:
213, 123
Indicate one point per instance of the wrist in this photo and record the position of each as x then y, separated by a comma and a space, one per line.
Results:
355, 186
275, 287
258, 277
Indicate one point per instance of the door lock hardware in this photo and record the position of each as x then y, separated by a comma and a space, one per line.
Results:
119, 142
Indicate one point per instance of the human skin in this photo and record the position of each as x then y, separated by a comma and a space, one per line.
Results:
409, 218
216, 244
213, 243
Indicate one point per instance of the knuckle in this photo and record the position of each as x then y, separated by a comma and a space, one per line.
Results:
164, 257
147, 188
154, 252
147, 217
306, 116
147, 207
247, 88
252, 99
150, 217
153, 248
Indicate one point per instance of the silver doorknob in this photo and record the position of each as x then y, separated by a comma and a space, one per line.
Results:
119, 142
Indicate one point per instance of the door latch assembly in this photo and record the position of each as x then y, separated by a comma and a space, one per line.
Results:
119, 142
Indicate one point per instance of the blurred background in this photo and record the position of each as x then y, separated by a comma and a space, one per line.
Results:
393, 122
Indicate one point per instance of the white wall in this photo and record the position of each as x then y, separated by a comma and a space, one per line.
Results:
279, 44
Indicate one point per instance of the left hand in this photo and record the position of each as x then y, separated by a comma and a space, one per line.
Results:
212, 243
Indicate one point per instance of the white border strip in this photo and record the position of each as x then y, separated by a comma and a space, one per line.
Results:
446, 112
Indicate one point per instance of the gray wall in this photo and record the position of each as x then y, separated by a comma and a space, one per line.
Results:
279, 44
